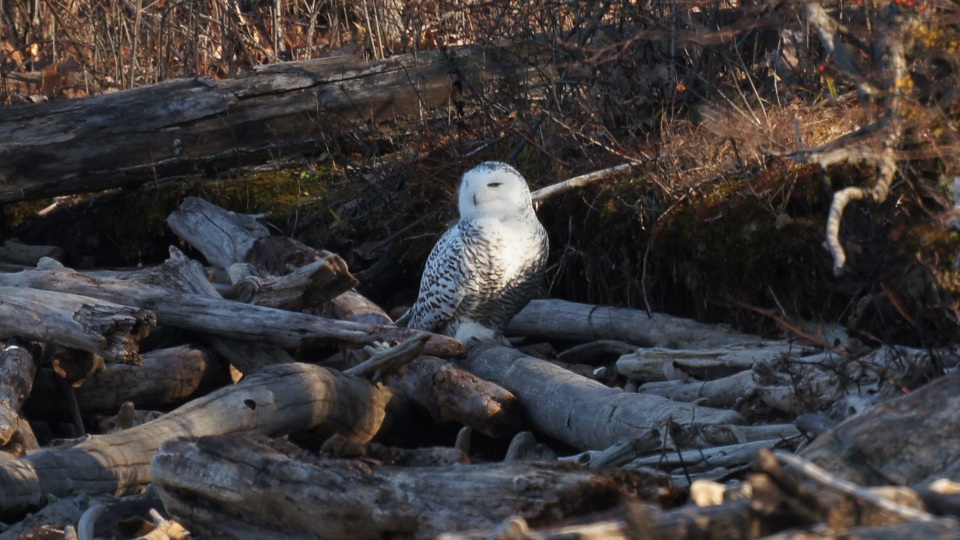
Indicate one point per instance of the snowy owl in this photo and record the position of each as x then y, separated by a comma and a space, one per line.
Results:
489, 265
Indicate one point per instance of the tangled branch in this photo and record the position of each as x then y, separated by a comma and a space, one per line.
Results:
888, 84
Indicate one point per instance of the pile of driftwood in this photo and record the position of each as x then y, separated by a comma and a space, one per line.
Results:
291, 387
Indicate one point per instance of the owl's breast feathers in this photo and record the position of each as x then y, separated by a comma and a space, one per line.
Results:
482, 271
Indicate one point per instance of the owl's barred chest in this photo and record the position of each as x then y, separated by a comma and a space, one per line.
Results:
501, 252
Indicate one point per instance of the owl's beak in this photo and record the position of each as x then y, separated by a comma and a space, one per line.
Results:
474, 199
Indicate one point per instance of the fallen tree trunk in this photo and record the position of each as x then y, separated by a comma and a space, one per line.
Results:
570, 321
277, 400
281, 492
17, 370
185, 126
579, 411
659, 364
82, 322
909, 440
223, 317
165, 376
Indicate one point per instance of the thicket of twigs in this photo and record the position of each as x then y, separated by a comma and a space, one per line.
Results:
691, 92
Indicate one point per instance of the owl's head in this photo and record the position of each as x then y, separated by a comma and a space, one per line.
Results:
494, 189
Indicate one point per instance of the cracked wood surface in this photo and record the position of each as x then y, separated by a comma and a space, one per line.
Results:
184, 126
274, 401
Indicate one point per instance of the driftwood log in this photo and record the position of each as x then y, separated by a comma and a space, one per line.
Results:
22, 254
17, 370
282, 492
579, 411
82, 322
785, 498
274, 401
563, 320
165, 376
305, 287
910, 440
183, 126
223, 317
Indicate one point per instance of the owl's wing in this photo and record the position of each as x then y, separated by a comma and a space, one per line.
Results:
442, 287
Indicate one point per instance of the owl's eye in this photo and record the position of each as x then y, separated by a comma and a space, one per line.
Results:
495, 184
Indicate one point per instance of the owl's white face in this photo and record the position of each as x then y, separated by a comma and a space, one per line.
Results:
495, 190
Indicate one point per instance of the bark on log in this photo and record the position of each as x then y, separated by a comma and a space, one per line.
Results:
578, 411
166, 376
282, 492
277, 400
184, 126
724, 392
16, 253
223, 317
910, 440
17, 370
305, 287
659, 364
722, 522
570, 321
79, 321
451, 394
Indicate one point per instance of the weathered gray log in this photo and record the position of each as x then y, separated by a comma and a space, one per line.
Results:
706, 435
225, 238
281, 491
276, 400
659, 364
84, 322
451, 394
913, 439
723, 392
165, 376
17, 253
306, 277
733, 520
183, 126
570, 321
929, 530
224, 317
702, 459
578, 411
303, 288
17, 370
